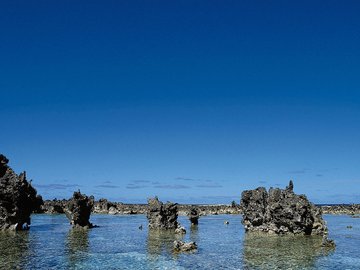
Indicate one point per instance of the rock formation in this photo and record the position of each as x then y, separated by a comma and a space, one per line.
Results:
103, 206
78, 210
180, 230
18, 198
180, 246
162, 216
194, 217
54, 206
281, 211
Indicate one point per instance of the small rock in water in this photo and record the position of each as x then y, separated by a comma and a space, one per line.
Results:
328, 243
349, 227
141, 227
180, 230
226, 222
194, 217
180, 246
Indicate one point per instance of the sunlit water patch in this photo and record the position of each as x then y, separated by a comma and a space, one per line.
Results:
119, 244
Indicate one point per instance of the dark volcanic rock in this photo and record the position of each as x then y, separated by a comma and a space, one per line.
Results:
162, 216
194, 216
78, 210
281, 211
18, 198
38, 204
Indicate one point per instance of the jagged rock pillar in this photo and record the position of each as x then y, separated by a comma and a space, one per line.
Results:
162, 216
78, 210
18, 198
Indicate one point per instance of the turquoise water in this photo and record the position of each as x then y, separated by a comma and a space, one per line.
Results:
119, 244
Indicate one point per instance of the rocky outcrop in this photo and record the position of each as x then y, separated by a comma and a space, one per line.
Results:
181, 246
162, 216
103, 206
281, 211
180, 230
54, 206
341, 209
194, 217
18, 199
78, 210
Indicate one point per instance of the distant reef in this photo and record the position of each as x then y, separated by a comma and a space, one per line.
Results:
104, 206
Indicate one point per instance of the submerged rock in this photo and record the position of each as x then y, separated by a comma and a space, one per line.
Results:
328, 243
78, 210
18, 198
181, 246
180, 230
194, 216
162, 216
281, 211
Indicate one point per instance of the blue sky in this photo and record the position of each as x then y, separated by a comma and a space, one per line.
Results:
193, 101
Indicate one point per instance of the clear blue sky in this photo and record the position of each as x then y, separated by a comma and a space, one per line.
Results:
193, 101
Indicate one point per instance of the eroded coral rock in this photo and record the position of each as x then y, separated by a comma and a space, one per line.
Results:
180, 230
54, 206
181, 246
18, 199
78, 210
162, 216
281, 211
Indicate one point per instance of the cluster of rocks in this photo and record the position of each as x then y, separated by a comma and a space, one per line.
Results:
164, 217
103, 206
204, 210
18, 198
78, 210
281, 211
277, 211
53, 206
341, 209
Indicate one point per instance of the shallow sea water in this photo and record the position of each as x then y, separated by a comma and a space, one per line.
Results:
119, 244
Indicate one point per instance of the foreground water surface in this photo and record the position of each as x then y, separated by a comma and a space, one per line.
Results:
119, 244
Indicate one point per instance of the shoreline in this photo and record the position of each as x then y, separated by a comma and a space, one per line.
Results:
104, 206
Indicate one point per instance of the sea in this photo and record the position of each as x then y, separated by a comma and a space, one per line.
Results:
119, 243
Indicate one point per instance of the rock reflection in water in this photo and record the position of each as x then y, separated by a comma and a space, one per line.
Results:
77, 245
194, 233
161, 241
14, 249
281, 252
